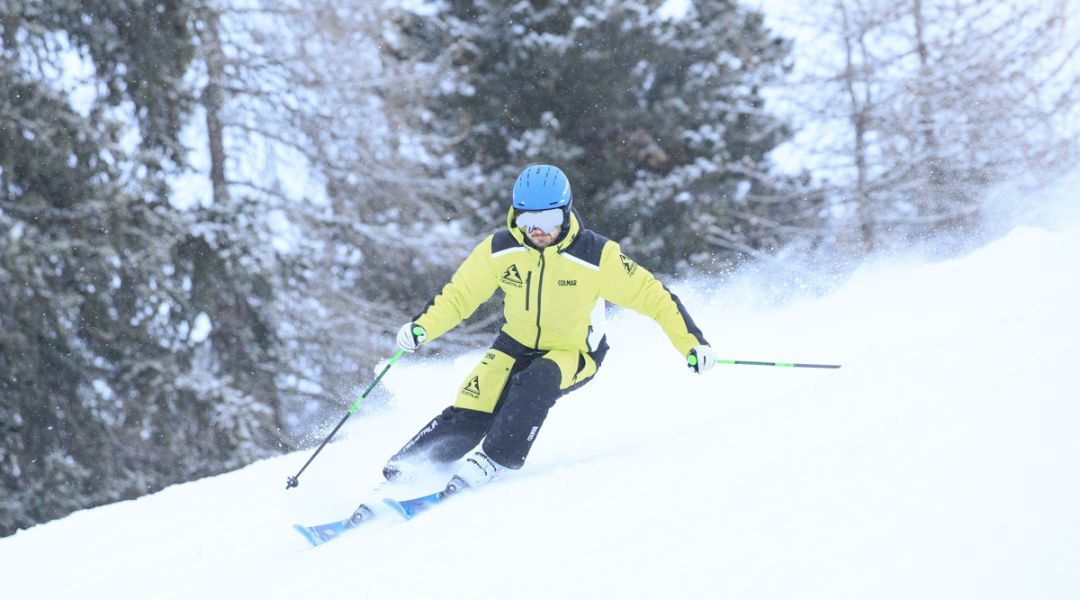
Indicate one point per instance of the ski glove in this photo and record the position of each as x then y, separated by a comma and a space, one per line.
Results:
701, 358
410, 336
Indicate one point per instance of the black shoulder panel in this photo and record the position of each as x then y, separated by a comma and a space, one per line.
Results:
502, 240
588, 247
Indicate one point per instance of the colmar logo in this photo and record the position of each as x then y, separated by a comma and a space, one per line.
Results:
472, 388
567, 282
629, 265
511, 276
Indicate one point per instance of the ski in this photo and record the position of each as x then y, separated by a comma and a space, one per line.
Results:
410, 508
316, 535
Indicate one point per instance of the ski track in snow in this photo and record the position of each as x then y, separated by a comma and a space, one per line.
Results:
939, 462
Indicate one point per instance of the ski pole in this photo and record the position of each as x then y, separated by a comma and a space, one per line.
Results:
294, 480
774, 364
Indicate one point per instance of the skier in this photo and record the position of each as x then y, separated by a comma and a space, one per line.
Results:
555, 275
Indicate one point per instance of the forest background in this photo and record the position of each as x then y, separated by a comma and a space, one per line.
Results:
215, 214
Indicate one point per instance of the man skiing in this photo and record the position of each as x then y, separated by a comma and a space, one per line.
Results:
555, 275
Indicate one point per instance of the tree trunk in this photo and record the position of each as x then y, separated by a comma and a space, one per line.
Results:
858, 116
212, 102
931, 169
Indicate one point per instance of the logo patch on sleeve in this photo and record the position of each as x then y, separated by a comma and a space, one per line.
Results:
629, 265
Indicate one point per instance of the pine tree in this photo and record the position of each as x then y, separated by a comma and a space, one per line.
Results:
658, 119
109, 391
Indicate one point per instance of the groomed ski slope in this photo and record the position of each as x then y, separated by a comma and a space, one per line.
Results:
942, 461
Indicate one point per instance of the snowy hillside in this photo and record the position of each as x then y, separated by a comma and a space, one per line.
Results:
940, 462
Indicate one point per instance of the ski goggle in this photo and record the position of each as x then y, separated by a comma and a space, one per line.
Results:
544, 220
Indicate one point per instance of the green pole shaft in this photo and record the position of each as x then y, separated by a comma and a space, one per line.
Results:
371, 386
774, 364
295, 479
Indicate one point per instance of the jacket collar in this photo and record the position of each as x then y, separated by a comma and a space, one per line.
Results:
567, 239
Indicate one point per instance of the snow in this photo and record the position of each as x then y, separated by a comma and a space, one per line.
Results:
674, 9
939, 462
201, 328
191, 188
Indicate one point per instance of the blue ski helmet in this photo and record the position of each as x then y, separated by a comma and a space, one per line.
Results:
540, 187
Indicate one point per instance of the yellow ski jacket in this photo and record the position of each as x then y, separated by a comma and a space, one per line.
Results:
550, 294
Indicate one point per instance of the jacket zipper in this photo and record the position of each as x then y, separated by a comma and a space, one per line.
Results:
528, 289
539, 291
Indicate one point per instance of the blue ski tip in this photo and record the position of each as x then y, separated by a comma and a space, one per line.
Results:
317, 535
309, 534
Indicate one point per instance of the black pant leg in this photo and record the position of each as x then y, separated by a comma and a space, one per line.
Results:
446, 438
517, 421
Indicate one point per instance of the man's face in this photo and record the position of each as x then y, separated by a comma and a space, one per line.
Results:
543, 239
542, 227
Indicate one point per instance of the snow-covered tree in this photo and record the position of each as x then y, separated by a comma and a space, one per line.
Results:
657, 117
319, 164
921, 104
131, 353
